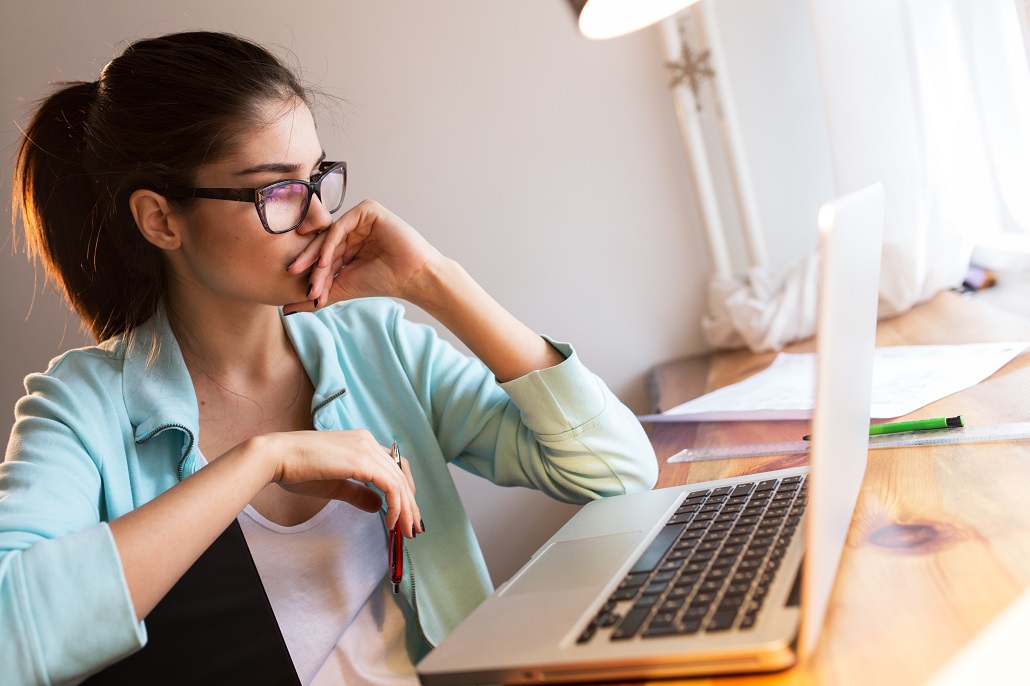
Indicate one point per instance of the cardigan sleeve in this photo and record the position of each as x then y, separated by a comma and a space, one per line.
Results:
65, 610
559, 430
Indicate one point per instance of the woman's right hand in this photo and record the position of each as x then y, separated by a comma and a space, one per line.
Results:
338, 464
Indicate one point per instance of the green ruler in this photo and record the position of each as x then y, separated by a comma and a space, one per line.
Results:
968, 434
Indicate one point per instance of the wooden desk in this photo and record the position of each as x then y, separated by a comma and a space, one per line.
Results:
940, 541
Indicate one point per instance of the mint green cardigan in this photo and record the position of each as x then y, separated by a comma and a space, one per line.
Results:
109, 427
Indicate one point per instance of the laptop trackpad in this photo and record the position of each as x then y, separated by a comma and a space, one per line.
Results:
577, 564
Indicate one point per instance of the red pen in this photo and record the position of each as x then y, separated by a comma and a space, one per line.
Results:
396, 542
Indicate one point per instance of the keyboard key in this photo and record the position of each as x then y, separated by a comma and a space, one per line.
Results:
588, 633
767, 485
731, 603
717, 573
663, 618
687, 542
655, 589
724, 490
631, 623
686, 580
737, 590
635, 580
680, 592
657, 548
702, 599
696, 494
791, 480
661, 630
646, 601
743, 489
724, 561
628, 593
690, 626
722, 620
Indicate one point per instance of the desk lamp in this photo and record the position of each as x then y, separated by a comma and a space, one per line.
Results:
610, 18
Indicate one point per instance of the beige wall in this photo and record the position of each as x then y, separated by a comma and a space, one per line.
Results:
549, 165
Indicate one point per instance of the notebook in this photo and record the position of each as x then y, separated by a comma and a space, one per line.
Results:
726, 576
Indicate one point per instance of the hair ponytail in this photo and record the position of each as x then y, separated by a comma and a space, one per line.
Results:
64, 215
159, 111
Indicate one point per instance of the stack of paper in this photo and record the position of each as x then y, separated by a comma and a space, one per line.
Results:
905, 378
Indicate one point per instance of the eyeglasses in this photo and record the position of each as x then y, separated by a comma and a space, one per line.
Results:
282, 205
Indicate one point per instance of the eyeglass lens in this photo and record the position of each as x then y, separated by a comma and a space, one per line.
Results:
285, 206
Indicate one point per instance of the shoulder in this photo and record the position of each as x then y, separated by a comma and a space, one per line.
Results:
81, 369
373, 321
78, 388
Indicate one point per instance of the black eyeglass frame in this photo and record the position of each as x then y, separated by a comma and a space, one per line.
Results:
258, 195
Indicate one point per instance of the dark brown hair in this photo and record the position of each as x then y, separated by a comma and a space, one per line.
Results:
159, 111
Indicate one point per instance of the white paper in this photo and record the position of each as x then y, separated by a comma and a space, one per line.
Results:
905, 378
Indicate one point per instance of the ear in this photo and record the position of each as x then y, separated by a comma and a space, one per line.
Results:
155, 219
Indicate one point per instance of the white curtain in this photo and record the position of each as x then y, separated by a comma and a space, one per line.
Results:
931, 98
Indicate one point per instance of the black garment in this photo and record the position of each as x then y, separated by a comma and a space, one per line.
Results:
214, 627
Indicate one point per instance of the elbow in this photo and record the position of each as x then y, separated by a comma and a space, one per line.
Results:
642, 474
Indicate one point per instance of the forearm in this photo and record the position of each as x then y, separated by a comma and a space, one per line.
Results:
158, 541
504, 344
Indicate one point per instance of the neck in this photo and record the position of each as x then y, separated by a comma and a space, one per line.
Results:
229, 342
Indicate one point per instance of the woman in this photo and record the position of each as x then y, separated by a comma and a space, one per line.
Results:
246, 374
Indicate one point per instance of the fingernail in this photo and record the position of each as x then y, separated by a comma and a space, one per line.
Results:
423, 525
316, 302
413, 532
287, 314
310, 286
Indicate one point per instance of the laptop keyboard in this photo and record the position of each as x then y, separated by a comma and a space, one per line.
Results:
709, 569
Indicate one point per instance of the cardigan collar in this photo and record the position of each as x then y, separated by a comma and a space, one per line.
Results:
158, 391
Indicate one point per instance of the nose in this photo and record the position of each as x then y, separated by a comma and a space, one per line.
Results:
317, 219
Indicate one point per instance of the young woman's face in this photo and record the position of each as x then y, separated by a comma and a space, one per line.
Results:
226, 251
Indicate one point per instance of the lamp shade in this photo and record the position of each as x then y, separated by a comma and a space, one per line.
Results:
610, 18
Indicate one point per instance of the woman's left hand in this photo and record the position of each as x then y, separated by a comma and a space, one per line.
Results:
368, 251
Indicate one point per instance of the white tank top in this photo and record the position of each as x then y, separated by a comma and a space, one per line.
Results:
327, 584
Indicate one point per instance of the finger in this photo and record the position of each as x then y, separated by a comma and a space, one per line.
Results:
358, 495
308, 256
416, 517
388, 479
406, 468
304, 306
327, 282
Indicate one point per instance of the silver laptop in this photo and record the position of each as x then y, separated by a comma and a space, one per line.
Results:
718, 577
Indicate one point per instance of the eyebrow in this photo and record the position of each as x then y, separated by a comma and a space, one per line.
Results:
277, 167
